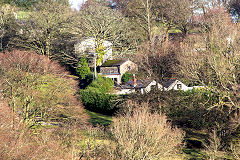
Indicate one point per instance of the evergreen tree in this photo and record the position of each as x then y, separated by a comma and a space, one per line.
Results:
83, 69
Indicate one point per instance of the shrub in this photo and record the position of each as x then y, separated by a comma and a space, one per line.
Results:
96, 97
192, 109
82, 70
127, 76
97, 101
17, 141
143, 135
29, 62
102, 84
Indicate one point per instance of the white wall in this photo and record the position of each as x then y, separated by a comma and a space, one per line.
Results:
125, 91
114, 76
184, 87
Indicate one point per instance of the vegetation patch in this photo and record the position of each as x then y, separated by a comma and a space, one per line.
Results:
99, 119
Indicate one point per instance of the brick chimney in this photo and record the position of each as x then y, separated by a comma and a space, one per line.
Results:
134, 80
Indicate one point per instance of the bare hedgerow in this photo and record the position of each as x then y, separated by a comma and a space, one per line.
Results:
30, 62
140, 134
214, 146
18, 141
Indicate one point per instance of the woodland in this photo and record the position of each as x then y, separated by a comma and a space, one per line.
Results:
52, 106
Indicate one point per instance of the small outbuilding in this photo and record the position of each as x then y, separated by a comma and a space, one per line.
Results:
115, 69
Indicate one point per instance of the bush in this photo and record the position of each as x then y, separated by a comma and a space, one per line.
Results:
18, 141
127, 76
96, 97
192, 109
143, 135
139, 134
97, 101
29, 62
102, 84
82, 70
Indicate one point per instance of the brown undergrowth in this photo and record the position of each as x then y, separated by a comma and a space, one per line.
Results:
40, 117
17, 141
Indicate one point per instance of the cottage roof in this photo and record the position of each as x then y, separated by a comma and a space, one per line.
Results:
114, 63
168, 83
140, 84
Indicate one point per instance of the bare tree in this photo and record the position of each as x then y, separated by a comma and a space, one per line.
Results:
7, 25
142, 13
44, 27
176, 13
102, 23
141, 134
212, 58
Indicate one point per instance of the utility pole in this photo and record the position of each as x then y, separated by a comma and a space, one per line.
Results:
95, 65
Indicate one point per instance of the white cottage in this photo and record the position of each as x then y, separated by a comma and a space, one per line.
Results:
138, 86
174, 84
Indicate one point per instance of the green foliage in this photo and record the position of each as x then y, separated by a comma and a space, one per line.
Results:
96, 98
33, 90
23, 15
126, 77
99, 119
83, 69
102, 84
28, 4
101, 52
21, 3
192, 109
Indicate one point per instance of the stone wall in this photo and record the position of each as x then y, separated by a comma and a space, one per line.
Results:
128, 66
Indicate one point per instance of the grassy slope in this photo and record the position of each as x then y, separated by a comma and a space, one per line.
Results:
99, 119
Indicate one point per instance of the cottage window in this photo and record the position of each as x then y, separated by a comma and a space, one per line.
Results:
153, 87
138, 90
179, 86
129, 68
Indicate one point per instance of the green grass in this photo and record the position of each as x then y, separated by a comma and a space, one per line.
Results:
174, 30
194, 154
99, 119
23, 15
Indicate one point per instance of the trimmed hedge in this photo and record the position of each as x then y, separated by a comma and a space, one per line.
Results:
97, 101
96, 97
